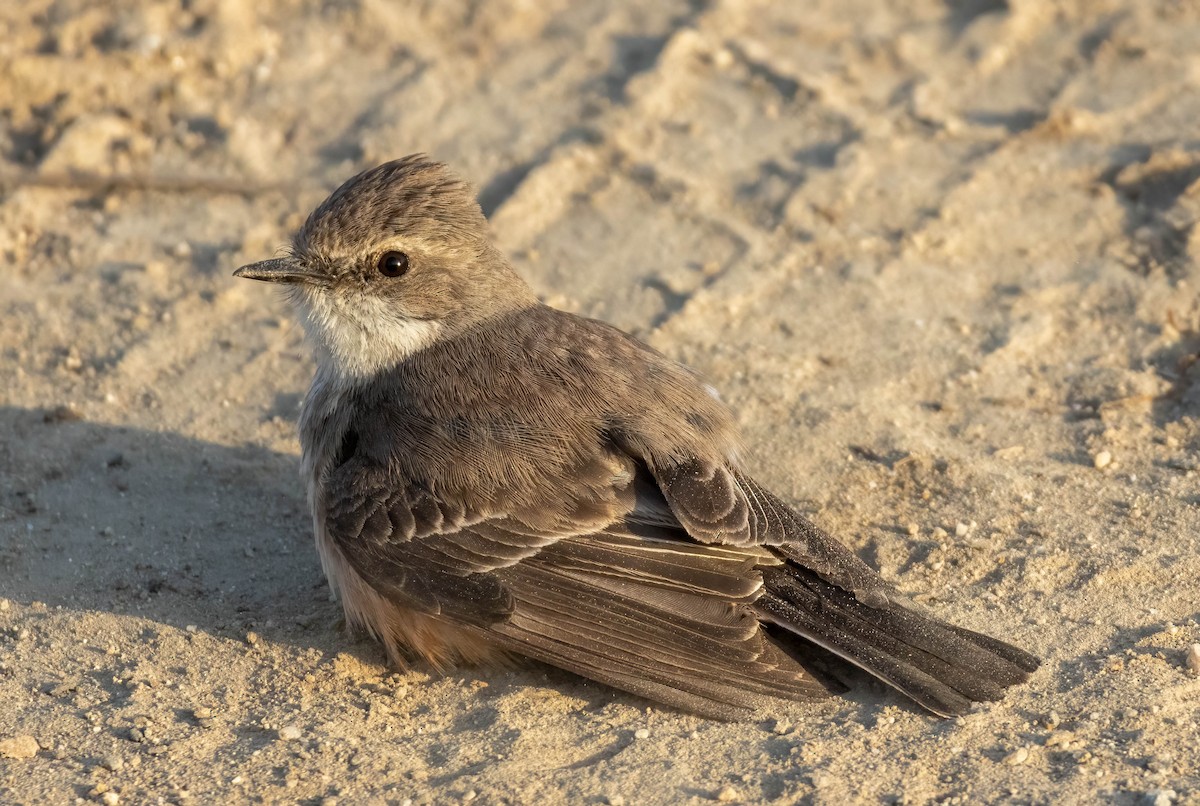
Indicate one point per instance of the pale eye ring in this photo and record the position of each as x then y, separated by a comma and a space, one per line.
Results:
392, 264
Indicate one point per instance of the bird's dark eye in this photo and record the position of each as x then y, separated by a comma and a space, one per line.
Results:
392, 264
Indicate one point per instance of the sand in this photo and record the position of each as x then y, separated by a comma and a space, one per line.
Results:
940, 257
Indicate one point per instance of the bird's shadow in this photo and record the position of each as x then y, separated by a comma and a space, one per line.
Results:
153, 524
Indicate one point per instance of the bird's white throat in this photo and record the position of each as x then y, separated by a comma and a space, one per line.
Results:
356, 336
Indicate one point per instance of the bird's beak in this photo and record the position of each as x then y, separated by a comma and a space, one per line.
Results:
279, 270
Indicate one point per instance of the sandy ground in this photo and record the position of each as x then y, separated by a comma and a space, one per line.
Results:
941, 261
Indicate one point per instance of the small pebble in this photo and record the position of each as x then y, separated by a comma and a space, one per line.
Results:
1192, 659
252, 638
61, 414
5, 605
961, 529
641, 733
615, 800
723, 59
113, 763
728, 794
912, 529
290, 733
110, 798
1102, 460
202, 713
1159, 797
1017, 757
19, 747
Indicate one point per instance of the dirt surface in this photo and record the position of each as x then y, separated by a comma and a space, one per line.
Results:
940, 257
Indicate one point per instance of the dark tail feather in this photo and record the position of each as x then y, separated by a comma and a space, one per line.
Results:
943, 667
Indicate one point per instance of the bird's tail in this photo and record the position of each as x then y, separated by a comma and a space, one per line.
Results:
943, 667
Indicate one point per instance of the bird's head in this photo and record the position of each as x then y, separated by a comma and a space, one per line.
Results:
396, 258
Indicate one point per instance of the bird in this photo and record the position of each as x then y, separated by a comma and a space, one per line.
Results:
492, 477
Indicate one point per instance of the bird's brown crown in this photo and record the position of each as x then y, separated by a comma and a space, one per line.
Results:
414, 195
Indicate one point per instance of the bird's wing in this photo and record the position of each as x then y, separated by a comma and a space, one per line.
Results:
717, 504
630, 603
825, 594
